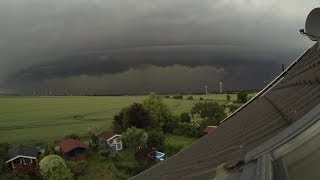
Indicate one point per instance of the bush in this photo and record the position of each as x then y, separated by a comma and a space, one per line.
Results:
134, 138
135, 115
232, 108
242, 96
4, 147
77, 168
49, 148
185, 117
156, 140
182, 129
201, 98
131, 168
210, 110
72, 136
171, 149
170, 124
159, 111
54, 167
114, 157
228, 97
178, 97
166, 96
189, 98
104, 154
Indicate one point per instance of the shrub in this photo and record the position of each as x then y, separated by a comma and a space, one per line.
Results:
171, 149
114, 157
182, 129
54, 167
178, 97
77, 168
166, 96
210, 110
104, 154
170, 124
156, 140
185, 117
135, 115
72, 136
189, 98
131, 168
232, 108
134, 138
201, 98
242, 96
4, 147
49, 148
159, 111
228, 97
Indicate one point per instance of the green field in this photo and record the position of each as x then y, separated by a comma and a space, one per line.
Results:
37, 119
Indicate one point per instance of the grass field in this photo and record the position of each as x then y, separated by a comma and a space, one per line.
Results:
37, 119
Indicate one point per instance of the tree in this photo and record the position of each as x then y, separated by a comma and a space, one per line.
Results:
49, 148
185, 117
134, 115
159, 112
228, 97
156, 139
242, 96
189, 98
134, 138
4, 147
196, 125
210, 110
91, 133
53, 167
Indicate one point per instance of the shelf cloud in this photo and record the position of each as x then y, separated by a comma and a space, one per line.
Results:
43, 42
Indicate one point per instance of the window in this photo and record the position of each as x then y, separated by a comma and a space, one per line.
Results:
299, 158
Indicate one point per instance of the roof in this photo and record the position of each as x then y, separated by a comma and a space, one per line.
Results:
22, 150
285, 100
69, 144
106, 134
209, 129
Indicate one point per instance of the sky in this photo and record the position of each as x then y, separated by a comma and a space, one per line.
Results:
138, 46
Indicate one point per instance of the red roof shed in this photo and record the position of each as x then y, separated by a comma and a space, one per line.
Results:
209, 129
69, 144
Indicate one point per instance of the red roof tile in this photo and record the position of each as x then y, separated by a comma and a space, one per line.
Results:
209, 129
68, 145
106, 134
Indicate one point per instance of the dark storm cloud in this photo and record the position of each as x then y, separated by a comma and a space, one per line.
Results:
115, 61
42, 39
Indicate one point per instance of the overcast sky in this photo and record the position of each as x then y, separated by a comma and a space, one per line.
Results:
137, 46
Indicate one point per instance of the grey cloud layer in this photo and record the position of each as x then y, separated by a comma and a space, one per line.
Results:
47, 39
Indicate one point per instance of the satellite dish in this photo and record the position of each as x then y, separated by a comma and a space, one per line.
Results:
313, 25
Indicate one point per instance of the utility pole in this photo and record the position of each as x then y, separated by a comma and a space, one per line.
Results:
220, 83
34, 91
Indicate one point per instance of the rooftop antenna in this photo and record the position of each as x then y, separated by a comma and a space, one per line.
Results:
312, 26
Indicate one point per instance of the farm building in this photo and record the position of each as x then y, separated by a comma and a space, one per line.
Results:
73, 149
109, 140
22, 155
275, 135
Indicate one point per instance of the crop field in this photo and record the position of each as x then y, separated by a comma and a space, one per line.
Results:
38, 119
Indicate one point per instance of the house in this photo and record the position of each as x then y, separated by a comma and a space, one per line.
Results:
73, 149
275, 135
109, 140
209, 129
22, 155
